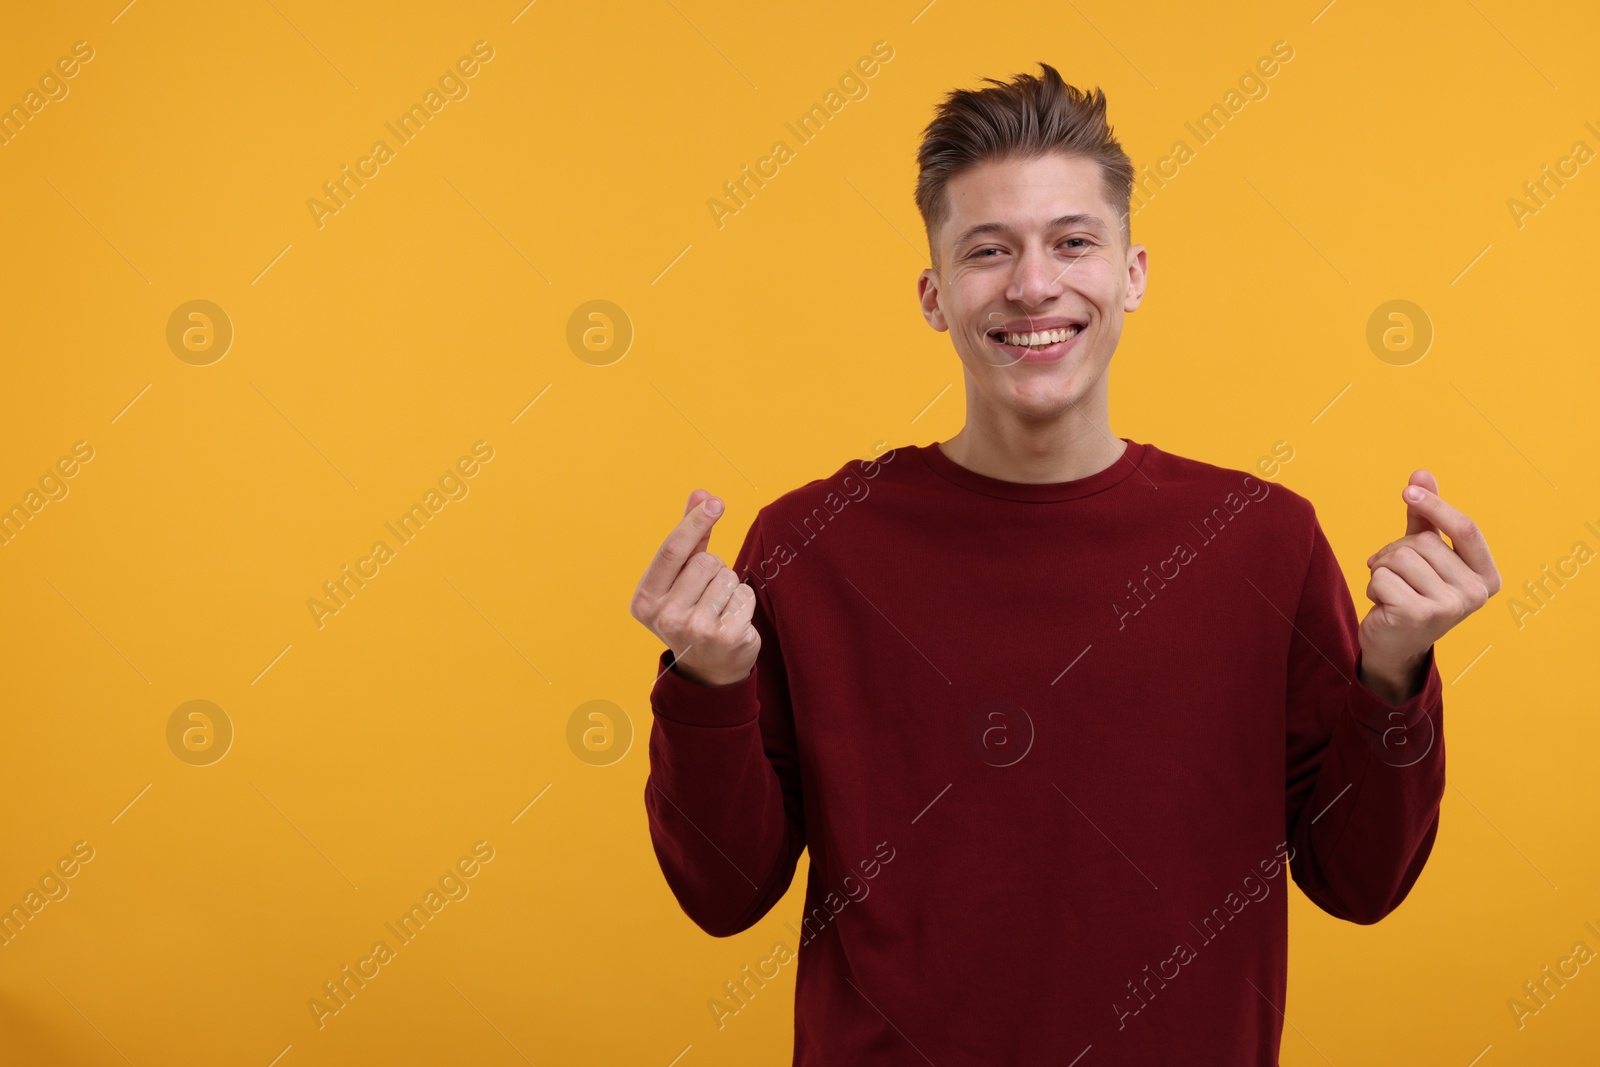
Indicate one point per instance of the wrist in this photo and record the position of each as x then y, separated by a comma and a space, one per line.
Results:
710, 681
1394, 682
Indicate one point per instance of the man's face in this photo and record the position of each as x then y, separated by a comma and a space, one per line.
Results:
1032, 246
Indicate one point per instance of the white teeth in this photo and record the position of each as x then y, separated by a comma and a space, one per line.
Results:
1041, 337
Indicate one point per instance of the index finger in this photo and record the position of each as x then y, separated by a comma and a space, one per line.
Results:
1465, 537
689, 538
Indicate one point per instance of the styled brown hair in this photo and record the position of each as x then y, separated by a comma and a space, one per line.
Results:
1023, 119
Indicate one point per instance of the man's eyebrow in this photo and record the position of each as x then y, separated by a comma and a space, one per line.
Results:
1093, 222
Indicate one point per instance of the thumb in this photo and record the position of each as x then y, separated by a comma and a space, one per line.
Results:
1416, 521
696, 498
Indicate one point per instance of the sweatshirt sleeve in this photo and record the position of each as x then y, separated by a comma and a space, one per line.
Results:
1364, 778
723, 795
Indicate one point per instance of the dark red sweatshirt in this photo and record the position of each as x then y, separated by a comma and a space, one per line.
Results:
1055, 749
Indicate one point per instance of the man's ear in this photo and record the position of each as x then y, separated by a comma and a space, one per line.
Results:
1138, 276
928, 297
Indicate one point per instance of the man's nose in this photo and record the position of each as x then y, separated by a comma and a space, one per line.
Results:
1036, 278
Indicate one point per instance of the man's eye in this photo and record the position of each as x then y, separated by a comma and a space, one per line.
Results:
1082, 240
981, 251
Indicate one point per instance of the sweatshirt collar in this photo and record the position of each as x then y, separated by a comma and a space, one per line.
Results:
1035, 492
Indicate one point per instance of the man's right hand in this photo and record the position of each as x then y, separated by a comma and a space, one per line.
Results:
695, 605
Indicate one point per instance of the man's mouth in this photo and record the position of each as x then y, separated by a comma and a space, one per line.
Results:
1034, 338
1037, 346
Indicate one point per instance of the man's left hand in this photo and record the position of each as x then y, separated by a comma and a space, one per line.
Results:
1420, 588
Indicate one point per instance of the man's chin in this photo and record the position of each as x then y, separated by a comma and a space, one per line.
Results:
1036, 390
1044, 402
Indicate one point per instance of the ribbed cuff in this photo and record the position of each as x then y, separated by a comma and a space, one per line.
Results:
683, 700
1412, 717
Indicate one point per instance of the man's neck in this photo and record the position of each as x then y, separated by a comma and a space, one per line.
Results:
1021, 455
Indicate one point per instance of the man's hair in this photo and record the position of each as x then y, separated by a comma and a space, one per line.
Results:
1024, 119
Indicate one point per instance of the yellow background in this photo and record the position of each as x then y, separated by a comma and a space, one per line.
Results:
430, 311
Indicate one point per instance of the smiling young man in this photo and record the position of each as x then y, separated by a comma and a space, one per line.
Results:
1057, 714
